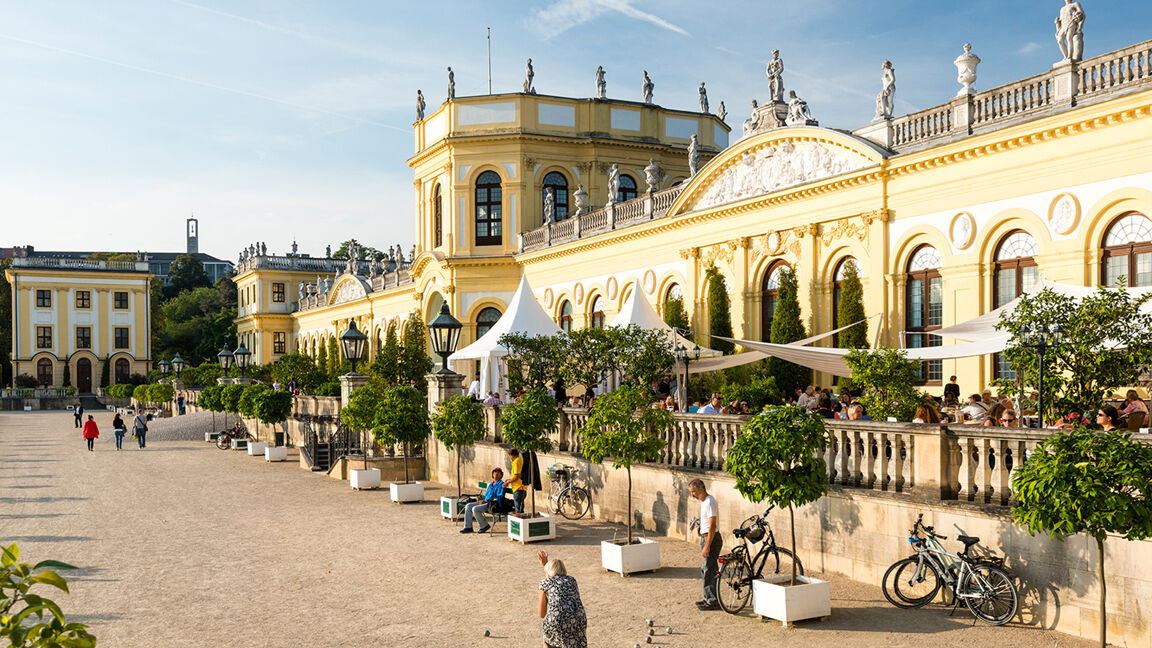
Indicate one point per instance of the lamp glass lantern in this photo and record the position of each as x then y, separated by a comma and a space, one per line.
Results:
242, 355
177, 364
353, 342
445, 334
224, 358
164, 366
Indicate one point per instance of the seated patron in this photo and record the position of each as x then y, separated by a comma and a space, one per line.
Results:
1108, 418
975, 410
1133, 403
856, 413
493, 497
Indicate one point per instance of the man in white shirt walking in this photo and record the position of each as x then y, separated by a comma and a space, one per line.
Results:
710, 544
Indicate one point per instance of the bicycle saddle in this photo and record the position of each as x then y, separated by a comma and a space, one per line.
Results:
739, 533
967, 540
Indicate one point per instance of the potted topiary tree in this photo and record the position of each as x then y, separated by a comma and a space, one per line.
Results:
526, 424
623, 427
247, 407
778, 458
230, 401
403, 418
208, 399
458, 422
362, 413
1082, 481
272, 407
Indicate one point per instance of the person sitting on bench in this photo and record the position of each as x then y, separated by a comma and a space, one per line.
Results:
493, 496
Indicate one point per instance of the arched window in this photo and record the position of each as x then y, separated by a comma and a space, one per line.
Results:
837, 284
769, 293
437, 218
123, 371
485, 320
598, 312
566, 316
559, 186
1128, 251
1015, 273
627, 188
488, 209
925, 307
44, 372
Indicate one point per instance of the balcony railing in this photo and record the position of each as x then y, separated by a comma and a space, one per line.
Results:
610, 217
80, 264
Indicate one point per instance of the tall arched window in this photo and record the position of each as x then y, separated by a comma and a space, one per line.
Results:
769, 292
437, 218
123, 371
485, 320
559, 186
837, 284
1016, 272
488, 209
566, 316
44, 372
1128, 251
598, 312
627, 188
925, 307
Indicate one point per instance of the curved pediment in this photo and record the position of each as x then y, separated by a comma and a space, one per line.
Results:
348, 287
775, 160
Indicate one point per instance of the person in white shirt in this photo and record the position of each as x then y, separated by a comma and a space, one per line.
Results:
474, 389
805, 399
714, 406
975, 409
710, 544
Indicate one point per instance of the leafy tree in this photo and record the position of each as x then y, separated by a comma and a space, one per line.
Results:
1081, 481
335, 358
140, 393
623, 427
887, 381
778, 458
186, 273
414, 361
533, 360
111, 256
330, 388
211, 399
719, 310
588, 356
67, 380
366, 251
322, 359
759, 391
230, 398
403, 418
852, 310
787, 326
527, 422
298, 366
643, 355
119, 391
229, 295
202, 375
105, 371
1105, 345
385, 367
161, 393
247, 403
18, 607
363, 413
675, 315
458, 422
272, 407
194, 324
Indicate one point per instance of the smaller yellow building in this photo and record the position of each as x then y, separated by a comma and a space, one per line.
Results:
79, 314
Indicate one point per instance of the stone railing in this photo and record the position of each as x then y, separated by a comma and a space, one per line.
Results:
80, 264
610, 217
37, 392
926, 124
1012, 99
1122, 68
292, 263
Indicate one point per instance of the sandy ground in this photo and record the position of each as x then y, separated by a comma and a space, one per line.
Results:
182, 544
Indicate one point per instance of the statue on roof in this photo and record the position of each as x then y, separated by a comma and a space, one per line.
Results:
753, 122
601, 83
263, 249
885, 101
529, 74
613, 183
775, 72
581, 200
721, 112
798, 113
328, 252
451, 84
295, 247
693, 156
1070, 31
300, 291
419, 106
703, 98
652, 175
549, 207
647, 89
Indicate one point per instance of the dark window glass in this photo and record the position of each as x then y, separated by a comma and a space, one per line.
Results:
123, 372
43, 299
627, 188
44, 372
83, 299
566, 316
488, 209
279, 342
485, 320
121, 334
43, 337
437, 218
924, 307
278, 293
559, 186
769, 293
1015, 273
120, 300
598, 313
1128, 251
83, 337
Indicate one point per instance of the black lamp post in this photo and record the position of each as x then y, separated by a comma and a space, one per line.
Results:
685, 355
164, 366
242, 355
225, 359
177, 364
1041, 338
352, 341
445, 333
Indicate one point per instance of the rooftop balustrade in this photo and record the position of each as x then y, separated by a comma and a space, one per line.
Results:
54, 263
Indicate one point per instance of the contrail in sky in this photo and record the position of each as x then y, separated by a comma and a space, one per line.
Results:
204, 84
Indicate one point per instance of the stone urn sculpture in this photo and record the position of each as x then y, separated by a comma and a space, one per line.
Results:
966, 70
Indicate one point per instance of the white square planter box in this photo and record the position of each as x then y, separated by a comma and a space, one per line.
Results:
809, 598
626, 559
412, 492
239, 444
364, 479
256, 448
211, 436
275, 453
451, 508
531, 529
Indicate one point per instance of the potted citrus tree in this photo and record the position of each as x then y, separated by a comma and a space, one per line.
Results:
362, 414
526, 424
622, 426
272, 407
247, 407
458, 422
402, 417
778, 458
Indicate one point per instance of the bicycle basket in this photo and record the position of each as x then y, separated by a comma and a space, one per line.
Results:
557, 471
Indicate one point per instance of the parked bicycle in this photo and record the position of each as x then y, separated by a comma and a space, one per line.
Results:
979, 581
566, 498
224, 439
739, 568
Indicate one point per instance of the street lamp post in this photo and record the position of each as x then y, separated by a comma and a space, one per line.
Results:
164, 366
177, 364
445, 334
1041, 338
353, 342
225, 359
685, 355
242, 355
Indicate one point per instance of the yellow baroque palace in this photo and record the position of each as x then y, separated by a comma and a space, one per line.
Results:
948, 212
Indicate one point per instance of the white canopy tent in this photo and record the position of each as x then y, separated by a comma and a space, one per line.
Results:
750, 356
524, 315
637, 311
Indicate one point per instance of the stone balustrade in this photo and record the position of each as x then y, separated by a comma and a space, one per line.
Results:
610, 217
1120, 69
292, 263
1013, 99
80, 264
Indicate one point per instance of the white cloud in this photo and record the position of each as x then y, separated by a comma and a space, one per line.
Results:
566, 14
1028, 48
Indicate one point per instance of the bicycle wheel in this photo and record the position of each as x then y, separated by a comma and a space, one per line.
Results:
223, 441
574, 502
989, 593
554, 498
734, 583
778, 561
908, 584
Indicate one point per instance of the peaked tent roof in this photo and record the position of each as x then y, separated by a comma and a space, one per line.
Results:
524, 315
637, 310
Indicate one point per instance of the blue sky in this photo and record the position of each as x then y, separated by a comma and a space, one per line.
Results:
280, 119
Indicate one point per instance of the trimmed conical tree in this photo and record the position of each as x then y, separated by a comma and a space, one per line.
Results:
719, 310
322, 359
852, 310
675, 315
788, 327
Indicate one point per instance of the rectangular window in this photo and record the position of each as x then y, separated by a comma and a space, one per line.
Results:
83, 299
83, 337
43, 299
278, 293
279, 342
43, 337
122, 337
120, 301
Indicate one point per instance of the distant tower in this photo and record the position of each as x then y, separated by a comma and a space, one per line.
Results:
193, 236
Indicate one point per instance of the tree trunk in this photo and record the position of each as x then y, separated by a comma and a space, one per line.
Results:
405, 462
532, 488
364, 448
792, 525
629, 509
458, 484
213, 422
1103, 595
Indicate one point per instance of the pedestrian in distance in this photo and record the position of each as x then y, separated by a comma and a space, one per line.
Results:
78, 414
565, 622
91, 432
140, 428
119, 429
710, 544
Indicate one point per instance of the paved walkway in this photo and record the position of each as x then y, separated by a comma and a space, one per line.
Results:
182, 544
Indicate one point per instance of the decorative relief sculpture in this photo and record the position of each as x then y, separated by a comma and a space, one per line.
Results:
966, 70
581, 200
703, 98
451, 84
885, 101
1070, 31
775, 72
348, 291
613, 184
798, 114
693, 156
652, 175
529, 74
774, 167
646, 89
601, 83
1064, 214
549, 207
722, 112
847, 228
962, 230
419, 106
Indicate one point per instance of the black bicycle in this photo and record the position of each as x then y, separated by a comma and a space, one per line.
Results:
738, 570
224, 439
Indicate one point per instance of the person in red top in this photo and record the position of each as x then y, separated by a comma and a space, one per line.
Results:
91, 432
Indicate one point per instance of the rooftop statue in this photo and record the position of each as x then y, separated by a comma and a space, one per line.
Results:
775, 72
419, 105
581, 200
703, 98
966, 70
885, 101
722, 112
601, 84
652, 175
328, 252
1070, 31
693, 156
549, 207
451, 84
798, 113
529, 74
295, 247
647, 88
613, 183
263, 249
753, 122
